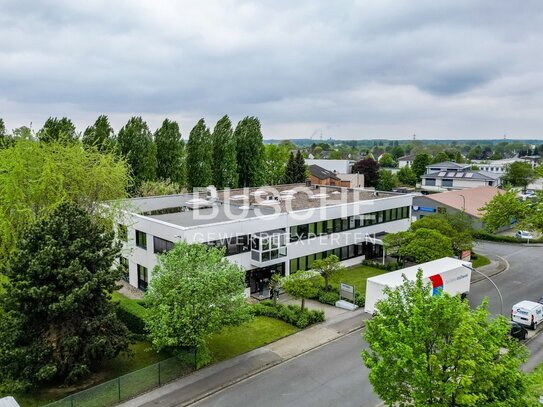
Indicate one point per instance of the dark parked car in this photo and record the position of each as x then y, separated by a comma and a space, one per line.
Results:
518, 331
540, 300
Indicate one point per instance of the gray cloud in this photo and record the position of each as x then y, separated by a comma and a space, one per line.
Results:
453, 68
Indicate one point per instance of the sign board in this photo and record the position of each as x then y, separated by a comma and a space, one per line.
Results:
466, 255
346, 291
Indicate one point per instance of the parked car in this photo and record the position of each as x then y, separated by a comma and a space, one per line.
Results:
523, 235
518, 331
540, 300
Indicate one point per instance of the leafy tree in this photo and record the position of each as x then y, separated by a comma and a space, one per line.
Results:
296, 169
194, 293
335, 155
135, 143
170, 150
199, 156
225, 167
387, 181
303, 284
427, 245
458, 158
502, 210
157, 188
387, 161
58, 130
250, 152
461, 238
394, 242
58, 321
4, 139
275, 157
100, 135
440, 157
475, 153
37, 177
518, 174
327, 268
370, 169
274, 285
407, 176
419, 164
429, 350
397, 152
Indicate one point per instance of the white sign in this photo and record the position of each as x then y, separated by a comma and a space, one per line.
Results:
346, 287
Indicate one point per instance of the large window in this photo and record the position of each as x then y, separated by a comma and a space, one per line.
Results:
161, 245
234, 245
447, 183
430, 182
143, 278
141, 239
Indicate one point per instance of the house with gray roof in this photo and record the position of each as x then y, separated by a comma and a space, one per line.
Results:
450, 176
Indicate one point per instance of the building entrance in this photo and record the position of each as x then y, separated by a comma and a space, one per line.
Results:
258, 279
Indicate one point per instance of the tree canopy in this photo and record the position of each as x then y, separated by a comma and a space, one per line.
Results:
370, 169
135, 143
429, 350
58, 130
276, 157
225, 167
193, 293
199, 156
35, 178
100, 135
419, 164
420, 245
387, 181
518, 174
303, 284
58, 321
506, 208
170, 150
327, 267
296, 170
407, 176
250, 152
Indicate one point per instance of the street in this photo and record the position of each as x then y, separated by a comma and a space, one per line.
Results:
335, 375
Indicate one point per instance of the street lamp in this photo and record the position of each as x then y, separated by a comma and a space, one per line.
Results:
464, 203
488, 278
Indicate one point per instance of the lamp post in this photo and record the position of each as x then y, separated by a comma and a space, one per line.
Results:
488, 278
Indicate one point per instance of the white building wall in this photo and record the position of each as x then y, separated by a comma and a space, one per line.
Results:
198, 234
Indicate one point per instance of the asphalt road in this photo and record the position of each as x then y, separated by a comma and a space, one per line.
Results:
522, 281
334, 374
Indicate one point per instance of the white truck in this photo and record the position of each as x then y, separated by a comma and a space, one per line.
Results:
527, 313
447, 275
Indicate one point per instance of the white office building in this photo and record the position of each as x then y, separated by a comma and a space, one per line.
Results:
266, 230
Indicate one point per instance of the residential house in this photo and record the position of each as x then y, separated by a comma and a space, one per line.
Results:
446, 176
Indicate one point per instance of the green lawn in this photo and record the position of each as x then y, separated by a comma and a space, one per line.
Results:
356, 276
234, 340
480, 261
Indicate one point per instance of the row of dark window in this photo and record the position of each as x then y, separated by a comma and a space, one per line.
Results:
343, 253
233, 245
309, 230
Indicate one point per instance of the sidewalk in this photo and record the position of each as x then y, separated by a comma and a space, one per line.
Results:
211, 379
497, 265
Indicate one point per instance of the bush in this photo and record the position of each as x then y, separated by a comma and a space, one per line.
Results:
482, 235
291, 314
386, 267
131, 313
331, 297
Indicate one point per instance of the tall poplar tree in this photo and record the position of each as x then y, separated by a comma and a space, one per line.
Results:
199, 156
170, 149
225, 167
58, 130
250, 152
135, 142
100, 135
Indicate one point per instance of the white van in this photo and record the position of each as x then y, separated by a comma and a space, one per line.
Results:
527, 313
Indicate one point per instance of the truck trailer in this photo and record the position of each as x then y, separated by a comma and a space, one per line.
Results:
447, 275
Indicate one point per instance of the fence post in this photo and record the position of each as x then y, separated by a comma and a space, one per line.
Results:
119, 386
159, 383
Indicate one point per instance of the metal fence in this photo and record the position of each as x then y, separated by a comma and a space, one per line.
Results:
127, 386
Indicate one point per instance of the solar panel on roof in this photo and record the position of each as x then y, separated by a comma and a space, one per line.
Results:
451, 174
441, 174
460, 174
469, 175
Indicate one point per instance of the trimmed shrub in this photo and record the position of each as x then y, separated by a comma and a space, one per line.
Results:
387, 267
291, 314
331, 297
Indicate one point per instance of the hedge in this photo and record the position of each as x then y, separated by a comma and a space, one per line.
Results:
331, 297
481, 235
291, 314
387, 267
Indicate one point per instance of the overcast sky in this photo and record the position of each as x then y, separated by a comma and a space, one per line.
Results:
340, 69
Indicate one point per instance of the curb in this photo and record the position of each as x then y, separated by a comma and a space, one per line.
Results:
501, 269
265, 368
